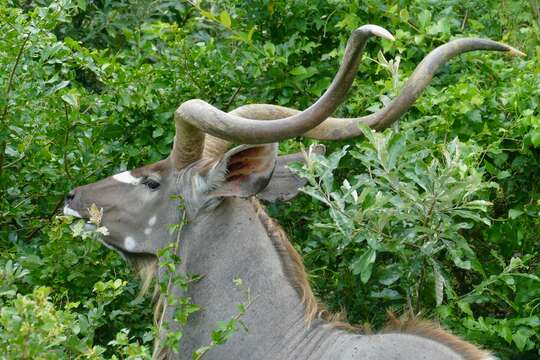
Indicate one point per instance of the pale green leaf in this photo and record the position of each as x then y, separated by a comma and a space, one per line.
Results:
514, 213
225, 19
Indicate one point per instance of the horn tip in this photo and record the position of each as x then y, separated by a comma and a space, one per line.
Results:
515, 52
377, 31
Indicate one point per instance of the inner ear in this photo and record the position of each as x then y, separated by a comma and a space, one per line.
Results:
243, 171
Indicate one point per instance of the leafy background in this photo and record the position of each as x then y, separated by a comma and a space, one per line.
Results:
437, 216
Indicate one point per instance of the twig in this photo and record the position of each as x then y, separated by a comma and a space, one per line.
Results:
59, 203
536, 11
465, 19
226, 108
12, 75
188, 71
3, 144
159, 325
326, 22
66, 138
212, 19
15, 161
186, 18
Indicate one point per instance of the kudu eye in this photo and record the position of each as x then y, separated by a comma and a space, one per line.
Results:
151, 183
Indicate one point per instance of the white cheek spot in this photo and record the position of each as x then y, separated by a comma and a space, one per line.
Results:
147, 231
71, 212
126, 178
152, 220
129, 243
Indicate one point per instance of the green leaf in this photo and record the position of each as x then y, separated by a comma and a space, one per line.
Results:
250, 33
81, 4
521, 338
72, 98
58, 86
465, 307
364, 265
463, 264
389, 275
269, 49
396, 147
514, 213
298, 71
424, 18
387, 294
225, 19
157, 132
368, 133
439, 285
207, 15
535, 137
404, 15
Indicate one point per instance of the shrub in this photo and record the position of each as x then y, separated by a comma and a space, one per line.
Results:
89, 89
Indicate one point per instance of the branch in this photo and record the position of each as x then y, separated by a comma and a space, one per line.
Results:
3, 144
536, 11
12, 75
232, 98
66, 139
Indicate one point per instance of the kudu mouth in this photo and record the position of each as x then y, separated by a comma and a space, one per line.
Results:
144, 264
69, 211
139, 260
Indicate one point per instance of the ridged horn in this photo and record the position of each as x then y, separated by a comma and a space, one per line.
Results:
346, 128
194, 118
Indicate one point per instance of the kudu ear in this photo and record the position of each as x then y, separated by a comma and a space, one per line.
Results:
285, 184
243, 171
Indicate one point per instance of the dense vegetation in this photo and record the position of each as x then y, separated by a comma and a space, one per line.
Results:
437, 216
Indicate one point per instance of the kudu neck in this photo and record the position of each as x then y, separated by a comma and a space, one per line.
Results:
232, 243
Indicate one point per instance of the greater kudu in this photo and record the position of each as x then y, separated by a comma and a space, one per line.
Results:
228, 234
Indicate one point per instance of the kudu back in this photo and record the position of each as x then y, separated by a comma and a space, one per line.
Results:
227, 233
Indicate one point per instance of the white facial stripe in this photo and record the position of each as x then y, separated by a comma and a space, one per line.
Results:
126, 178
71, 212
129, 243
152, 220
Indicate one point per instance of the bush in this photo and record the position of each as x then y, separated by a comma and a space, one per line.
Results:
449, 199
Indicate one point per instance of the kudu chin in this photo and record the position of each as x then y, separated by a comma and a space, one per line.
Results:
229, 235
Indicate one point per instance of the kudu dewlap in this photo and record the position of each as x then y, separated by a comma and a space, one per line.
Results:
227, 234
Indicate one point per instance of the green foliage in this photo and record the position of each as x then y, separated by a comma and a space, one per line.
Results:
409, 203
397, 234
439, 215
33, 328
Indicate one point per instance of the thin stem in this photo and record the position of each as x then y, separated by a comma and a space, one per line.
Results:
66, 139
536, 11
157, 346
3, 144
232, 98
12, 75
465, 18
57, 206
188, 71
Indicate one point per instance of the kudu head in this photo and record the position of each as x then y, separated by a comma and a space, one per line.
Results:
138, 205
